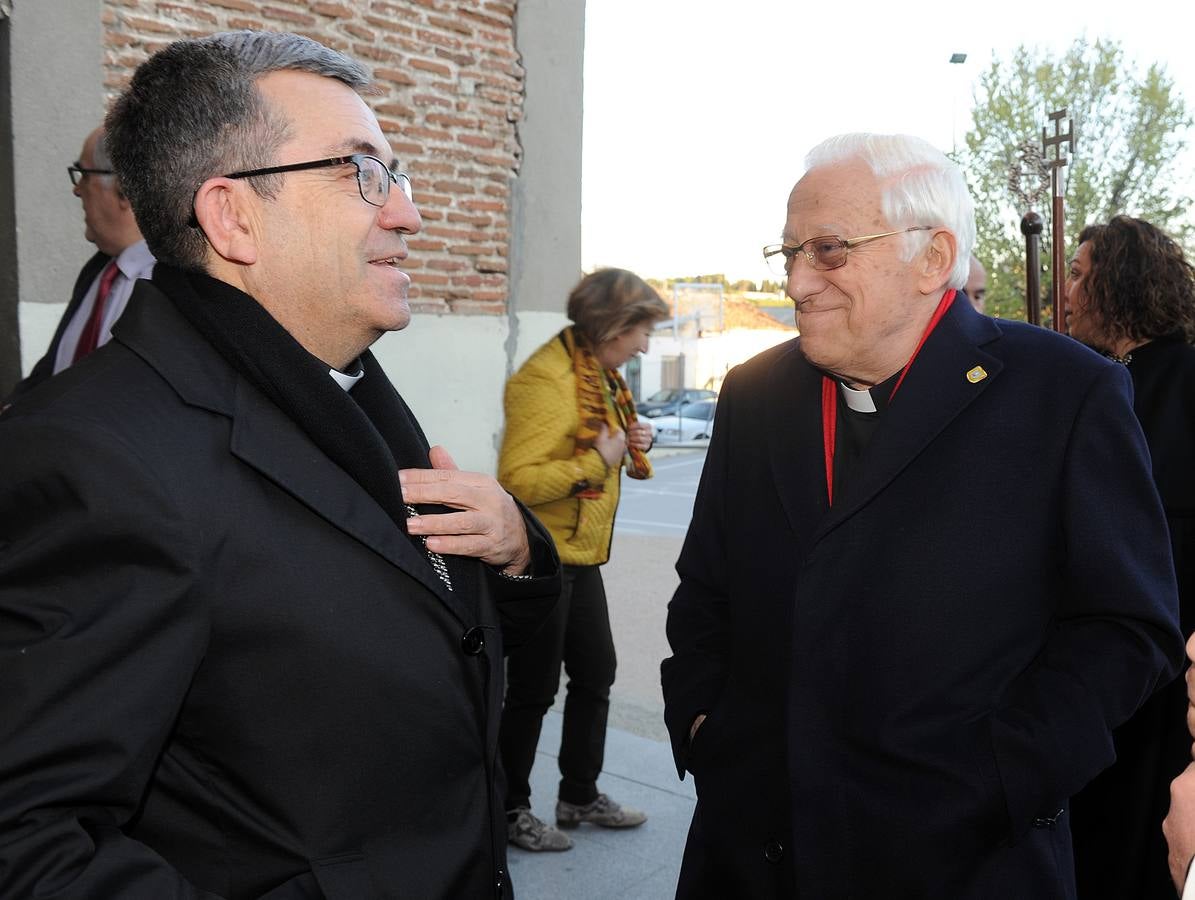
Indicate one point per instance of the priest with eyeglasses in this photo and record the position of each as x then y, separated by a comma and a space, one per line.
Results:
927, 571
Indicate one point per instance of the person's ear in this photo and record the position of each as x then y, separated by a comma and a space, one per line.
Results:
228, 219
936, 262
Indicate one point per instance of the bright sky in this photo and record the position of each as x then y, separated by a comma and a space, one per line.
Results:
698, 113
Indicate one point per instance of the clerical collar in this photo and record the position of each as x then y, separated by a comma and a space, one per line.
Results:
869, 400
859, 401
346, 382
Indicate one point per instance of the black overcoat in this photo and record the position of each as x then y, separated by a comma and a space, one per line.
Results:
225, 672
1119, 847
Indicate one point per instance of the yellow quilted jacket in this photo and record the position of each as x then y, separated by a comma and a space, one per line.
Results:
537, 464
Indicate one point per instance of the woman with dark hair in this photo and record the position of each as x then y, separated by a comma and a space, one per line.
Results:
1130, 295
570, 428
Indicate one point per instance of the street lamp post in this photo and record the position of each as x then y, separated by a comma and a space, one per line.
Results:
956, 59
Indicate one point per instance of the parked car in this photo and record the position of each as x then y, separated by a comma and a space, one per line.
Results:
668, 401
695, 423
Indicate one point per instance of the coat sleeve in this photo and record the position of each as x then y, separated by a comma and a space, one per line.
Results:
1115, 638
698, 624
99, 639
524, 604
539, 412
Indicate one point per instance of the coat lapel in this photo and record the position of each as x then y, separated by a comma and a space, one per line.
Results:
795, 441
264, 438
87, 275
949, 374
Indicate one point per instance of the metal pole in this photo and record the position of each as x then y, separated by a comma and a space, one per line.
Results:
1061, 143
1032, 226
1057, 253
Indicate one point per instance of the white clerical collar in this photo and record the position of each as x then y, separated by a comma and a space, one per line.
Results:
346, 381
859, 401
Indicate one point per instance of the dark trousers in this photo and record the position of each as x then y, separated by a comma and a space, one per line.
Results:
577, 635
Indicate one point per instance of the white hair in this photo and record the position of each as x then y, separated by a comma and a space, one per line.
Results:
919, 185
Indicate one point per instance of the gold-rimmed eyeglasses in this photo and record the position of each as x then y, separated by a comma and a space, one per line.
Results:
826, 251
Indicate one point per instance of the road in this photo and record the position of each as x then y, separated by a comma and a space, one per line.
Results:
662, 505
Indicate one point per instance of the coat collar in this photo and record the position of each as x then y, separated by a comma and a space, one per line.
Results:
953, 369
264, 438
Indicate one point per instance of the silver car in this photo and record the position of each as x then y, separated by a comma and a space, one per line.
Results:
695, 423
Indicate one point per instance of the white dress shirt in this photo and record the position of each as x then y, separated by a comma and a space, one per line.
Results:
134, 262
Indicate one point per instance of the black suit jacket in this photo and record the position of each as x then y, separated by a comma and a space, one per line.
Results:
45, 366
900, 686
225, 672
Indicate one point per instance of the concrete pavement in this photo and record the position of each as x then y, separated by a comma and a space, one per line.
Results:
637, 864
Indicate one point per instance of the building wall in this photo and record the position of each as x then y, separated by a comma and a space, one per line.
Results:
481, 100
546, 260
53, 98
451, 100
708, 358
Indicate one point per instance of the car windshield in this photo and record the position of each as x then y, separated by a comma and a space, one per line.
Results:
663, 396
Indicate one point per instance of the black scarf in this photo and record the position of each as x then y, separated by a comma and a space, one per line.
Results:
369, 431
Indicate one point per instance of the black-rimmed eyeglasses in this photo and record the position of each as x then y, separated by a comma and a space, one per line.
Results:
825, 252
76, 172
374, 177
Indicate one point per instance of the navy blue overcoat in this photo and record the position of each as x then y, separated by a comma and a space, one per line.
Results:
904, 690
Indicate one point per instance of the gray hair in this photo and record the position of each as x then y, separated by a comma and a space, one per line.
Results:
193, 111
99, 153
100, 159
919, 185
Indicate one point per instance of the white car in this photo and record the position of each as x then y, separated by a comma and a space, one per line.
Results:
695, 423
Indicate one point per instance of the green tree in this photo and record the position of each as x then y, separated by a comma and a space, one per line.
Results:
1130, 130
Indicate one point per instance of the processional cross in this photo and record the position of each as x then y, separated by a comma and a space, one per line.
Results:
1061, 144
1032, 176
1029, 181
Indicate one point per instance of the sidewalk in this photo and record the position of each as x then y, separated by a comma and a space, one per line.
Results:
605, 864
643, 863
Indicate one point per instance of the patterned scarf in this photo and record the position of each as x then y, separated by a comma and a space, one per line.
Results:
592, 409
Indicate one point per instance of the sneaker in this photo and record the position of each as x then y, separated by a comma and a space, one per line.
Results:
530, 833
603, 811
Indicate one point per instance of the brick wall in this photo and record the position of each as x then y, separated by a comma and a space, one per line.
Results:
451, 97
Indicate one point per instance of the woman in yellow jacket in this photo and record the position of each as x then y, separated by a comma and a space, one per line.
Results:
570, 427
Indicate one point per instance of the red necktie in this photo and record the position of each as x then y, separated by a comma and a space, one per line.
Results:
91, 331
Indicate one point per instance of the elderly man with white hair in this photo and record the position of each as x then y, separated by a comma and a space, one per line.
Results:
927, 573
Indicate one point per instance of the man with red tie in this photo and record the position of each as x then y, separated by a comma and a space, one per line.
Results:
106, 280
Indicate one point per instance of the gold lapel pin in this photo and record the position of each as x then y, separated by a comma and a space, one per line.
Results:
977, 375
